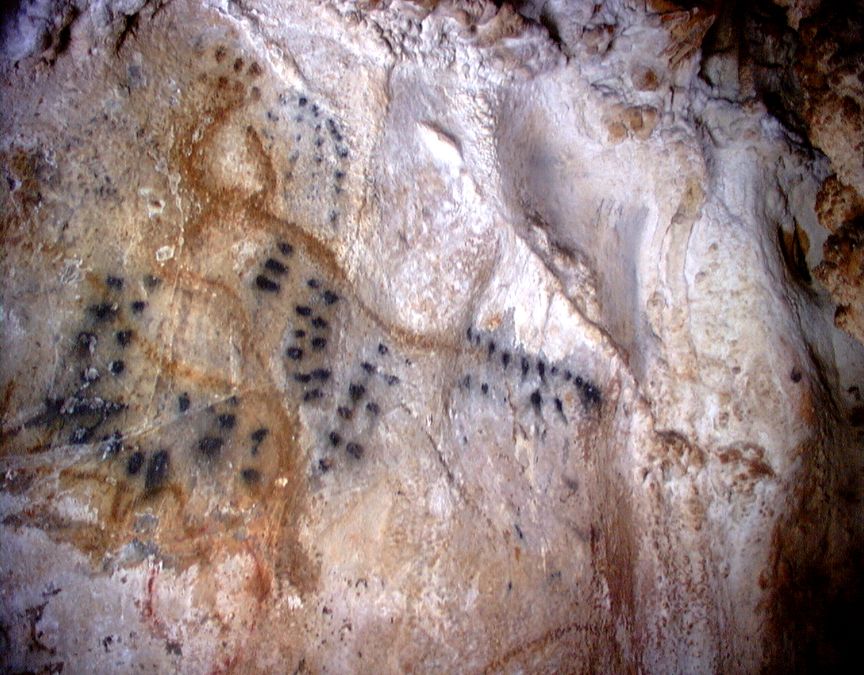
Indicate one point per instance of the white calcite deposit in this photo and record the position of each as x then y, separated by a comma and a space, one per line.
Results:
412, 336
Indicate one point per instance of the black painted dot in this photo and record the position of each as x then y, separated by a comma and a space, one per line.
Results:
368, 367
266, 284
591, 394
330, 297
578, 381
227, 421
526, 366
568, 375
274, 266
117, 367
484, 388
541, 369
325, 464
210, 446
123, 337
114, 282
356, 391
135, 462
559, 405
302, 101
536, 399
303, 310
157, 470
505, 359
313, 283
304, 378
285, 248
183, 402
250, 476
320, 374
491, 348
335, 438
373, 408
294, 353
355, 450
319, 343
299, 333
338, 175
104, 311
392, 380
382, 349
553, 371
344, 412
795, 375
319, 323
466, 381
313, 395
138, 306
259, 434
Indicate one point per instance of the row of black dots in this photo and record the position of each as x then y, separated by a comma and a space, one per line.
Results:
273, 267
336, 136
339, 148
589, 391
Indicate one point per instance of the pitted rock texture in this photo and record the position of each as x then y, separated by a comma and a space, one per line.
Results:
385, 337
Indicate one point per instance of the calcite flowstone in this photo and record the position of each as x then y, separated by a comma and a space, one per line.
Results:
377, 337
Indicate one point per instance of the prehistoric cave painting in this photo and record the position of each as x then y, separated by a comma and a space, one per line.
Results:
199, 400
553, 391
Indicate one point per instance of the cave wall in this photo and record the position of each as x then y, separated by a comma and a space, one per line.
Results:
429, 336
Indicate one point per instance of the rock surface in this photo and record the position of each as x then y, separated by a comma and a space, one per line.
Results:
390, 336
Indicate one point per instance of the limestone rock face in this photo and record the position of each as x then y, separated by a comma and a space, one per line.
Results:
390, 336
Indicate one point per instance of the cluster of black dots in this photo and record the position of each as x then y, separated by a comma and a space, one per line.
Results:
357, 409
546, 381
306, 354
308, 357
99, 356
311, 319
273, 269
324, 138
221, 426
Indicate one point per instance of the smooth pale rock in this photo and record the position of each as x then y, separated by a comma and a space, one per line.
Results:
376, 337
